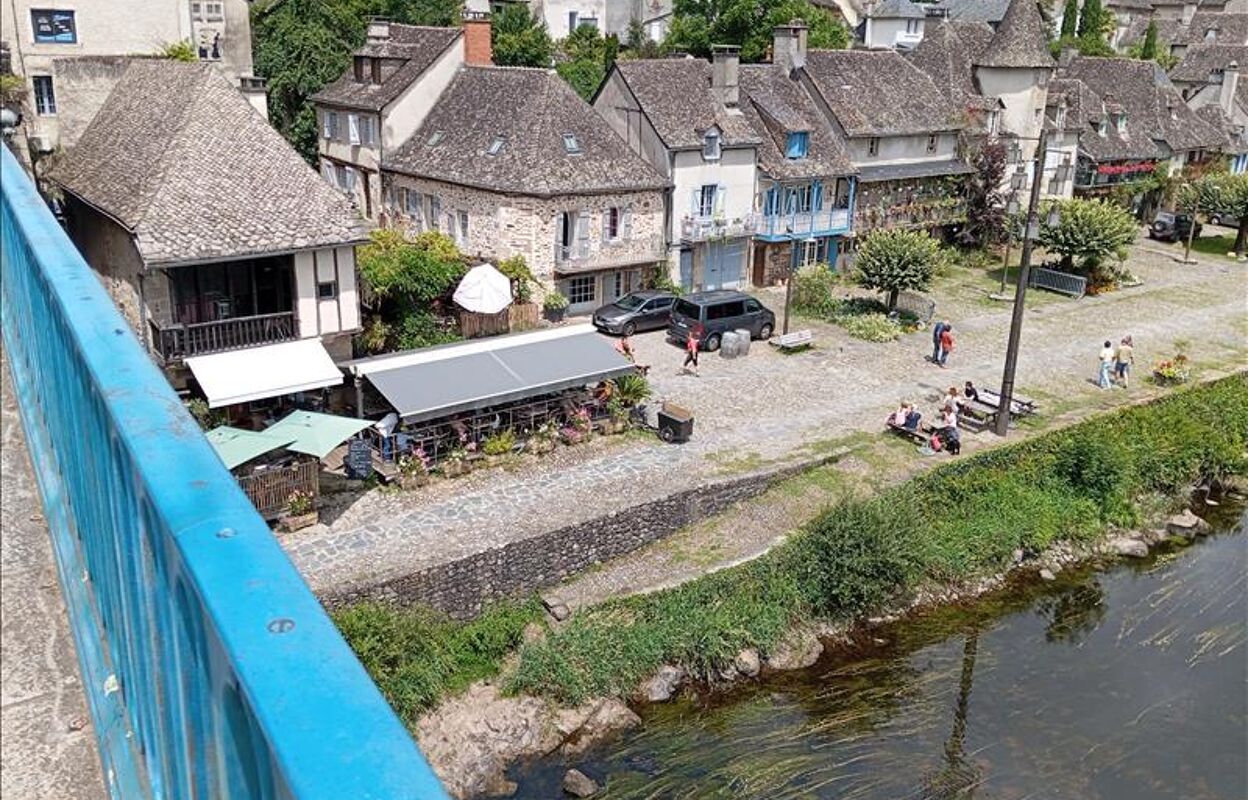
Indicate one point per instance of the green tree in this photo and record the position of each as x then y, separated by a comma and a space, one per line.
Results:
1227, 195
1148, 51
587, 57
1088, 233
638, 44
405, 282
519, 38
893, 261
181, 50
1070, 19
698, 24
985, 206
1094, 20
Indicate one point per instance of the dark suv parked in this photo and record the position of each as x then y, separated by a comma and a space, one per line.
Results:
717, 312
1170, 227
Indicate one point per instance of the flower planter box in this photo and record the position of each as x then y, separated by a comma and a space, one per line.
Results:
540, 446
554, 314
455, 468
293, 522
408, 482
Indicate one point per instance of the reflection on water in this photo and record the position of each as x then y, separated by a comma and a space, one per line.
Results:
1124, 685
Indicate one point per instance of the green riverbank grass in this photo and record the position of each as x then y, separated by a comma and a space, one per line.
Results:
957, 522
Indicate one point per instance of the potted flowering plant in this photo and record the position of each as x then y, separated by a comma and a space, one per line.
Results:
456, 463
1172, 371
300, 511
414, 469
543, 439
555, 306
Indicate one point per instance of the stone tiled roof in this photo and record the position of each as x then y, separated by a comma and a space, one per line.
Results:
180, 159
675, 94
897, 9
946, 58
1154, 108
1213, 115
776, 105
530, 111
1085, 111
1228, 29
1202, 59
415, 46
1130, 5
879, 93
992, 11
1021, 40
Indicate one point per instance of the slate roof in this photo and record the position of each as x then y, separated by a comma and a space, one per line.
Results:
1153, 106
1231, 29
897, 9
1084, 113
992, 11
1213, 115
416, 46
675, 94
180, 158
776, 105
1021, 40
1130, 5
530, 110
879, 93
1202, 59
946, 58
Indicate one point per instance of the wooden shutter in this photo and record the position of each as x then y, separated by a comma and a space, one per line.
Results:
626, 222
353, 128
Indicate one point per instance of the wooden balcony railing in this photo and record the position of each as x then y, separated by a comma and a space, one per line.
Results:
176, 342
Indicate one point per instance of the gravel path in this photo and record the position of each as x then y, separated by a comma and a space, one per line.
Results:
768, 409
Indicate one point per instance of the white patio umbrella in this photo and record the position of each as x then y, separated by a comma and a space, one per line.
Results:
484, 290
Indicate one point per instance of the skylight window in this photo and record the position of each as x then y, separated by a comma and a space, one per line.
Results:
434, 138
496, 146
571, 144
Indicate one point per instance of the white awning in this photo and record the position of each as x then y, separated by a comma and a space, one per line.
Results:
240, 376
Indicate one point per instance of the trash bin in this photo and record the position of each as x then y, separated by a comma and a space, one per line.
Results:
675, 423
743, 342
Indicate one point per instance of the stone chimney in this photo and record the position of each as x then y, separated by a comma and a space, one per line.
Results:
1189, 10
253, 89
1067, 55
725, 65
378, 30
1230, 82
477, 48
788, 48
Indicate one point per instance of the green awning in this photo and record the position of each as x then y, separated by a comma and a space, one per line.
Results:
236, 446
316, 434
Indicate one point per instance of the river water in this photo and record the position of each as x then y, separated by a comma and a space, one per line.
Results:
1124, 684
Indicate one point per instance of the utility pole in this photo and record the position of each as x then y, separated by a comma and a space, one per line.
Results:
1020, 292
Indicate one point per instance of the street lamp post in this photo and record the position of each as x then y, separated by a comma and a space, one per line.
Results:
1020, 292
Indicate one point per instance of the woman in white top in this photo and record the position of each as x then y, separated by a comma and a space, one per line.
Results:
1107, 364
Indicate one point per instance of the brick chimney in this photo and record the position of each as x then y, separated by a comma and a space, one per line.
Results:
725, 66
788, 48
1230, 82
378, 30
477, 48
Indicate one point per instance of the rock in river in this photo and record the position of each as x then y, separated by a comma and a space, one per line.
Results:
798, 650
663, 685
1123, 546
578, 784
609, 716
1187, 524
747, 662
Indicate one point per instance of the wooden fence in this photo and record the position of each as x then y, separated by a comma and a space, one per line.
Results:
269, 491
516, 317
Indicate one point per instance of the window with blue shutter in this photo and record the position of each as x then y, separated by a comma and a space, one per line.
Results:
797, 144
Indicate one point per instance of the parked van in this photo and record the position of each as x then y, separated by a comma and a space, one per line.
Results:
717, 312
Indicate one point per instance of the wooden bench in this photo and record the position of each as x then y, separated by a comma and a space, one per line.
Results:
1019, 406
797, 340
1060, 282
976, 416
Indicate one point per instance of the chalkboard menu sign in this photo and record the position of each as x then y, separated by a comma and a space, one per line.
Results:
359, 459
54, 27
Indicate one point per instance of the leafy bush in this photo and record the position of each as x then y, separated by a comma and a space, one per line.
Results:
896, 260
555, 301
660, 280
1088, 233
419, 270
517, 270
631, 389
814, 292
499, 444
208, 418
420, 329
873, 327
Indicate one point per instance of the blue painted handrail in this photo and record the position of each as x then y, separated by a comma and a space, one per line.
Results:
210, 669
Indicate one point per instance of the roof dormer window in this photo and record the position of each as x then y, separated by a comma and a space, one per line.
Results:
1060, 119
1211, 35
496, 146
1102, 128
711, 145
797, 144
363, 70
571, 144
434, 138
1120, 123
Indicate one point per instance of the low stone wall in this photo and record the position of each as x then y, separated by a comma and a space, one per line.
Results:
460, 588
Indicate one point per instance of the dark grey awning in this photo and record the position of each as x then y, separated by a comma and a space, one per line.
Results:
922, 169
441, 381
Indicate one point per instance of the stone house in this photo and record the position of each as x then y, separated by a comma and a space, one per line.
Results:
1188, 27
43, 38
210, 244
805, 179
376, 105
894, 25
606, 16
510, 161
1132, 120
683, 116
1222, 101
900, 132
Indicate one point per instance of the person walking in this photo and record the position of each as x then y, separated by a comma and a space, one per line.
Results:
936, 332
692, 344
1106, 365
1123, 360
946, 345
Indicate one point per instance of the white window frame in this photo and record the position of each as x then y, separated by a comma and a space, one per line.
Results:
873, 146
332, 294
461, 229
582, 289
912, 26
435, 211
612, 224
353, 128
712, 146
45, 102
707, 210
368, 130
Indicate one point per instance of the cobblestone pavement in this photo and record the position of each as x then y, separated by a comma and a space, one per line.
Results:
47, 748
768, 409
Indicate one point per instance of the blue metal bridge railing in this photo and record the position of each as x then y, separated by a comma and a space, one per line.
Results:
210, 669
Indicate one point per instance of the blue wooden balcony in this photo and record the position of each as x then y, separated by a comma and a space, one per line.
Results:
210, 669
804, 225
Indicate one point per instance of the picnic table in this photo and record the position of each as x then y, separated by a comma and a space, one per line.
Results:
922, 434
1019, 406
